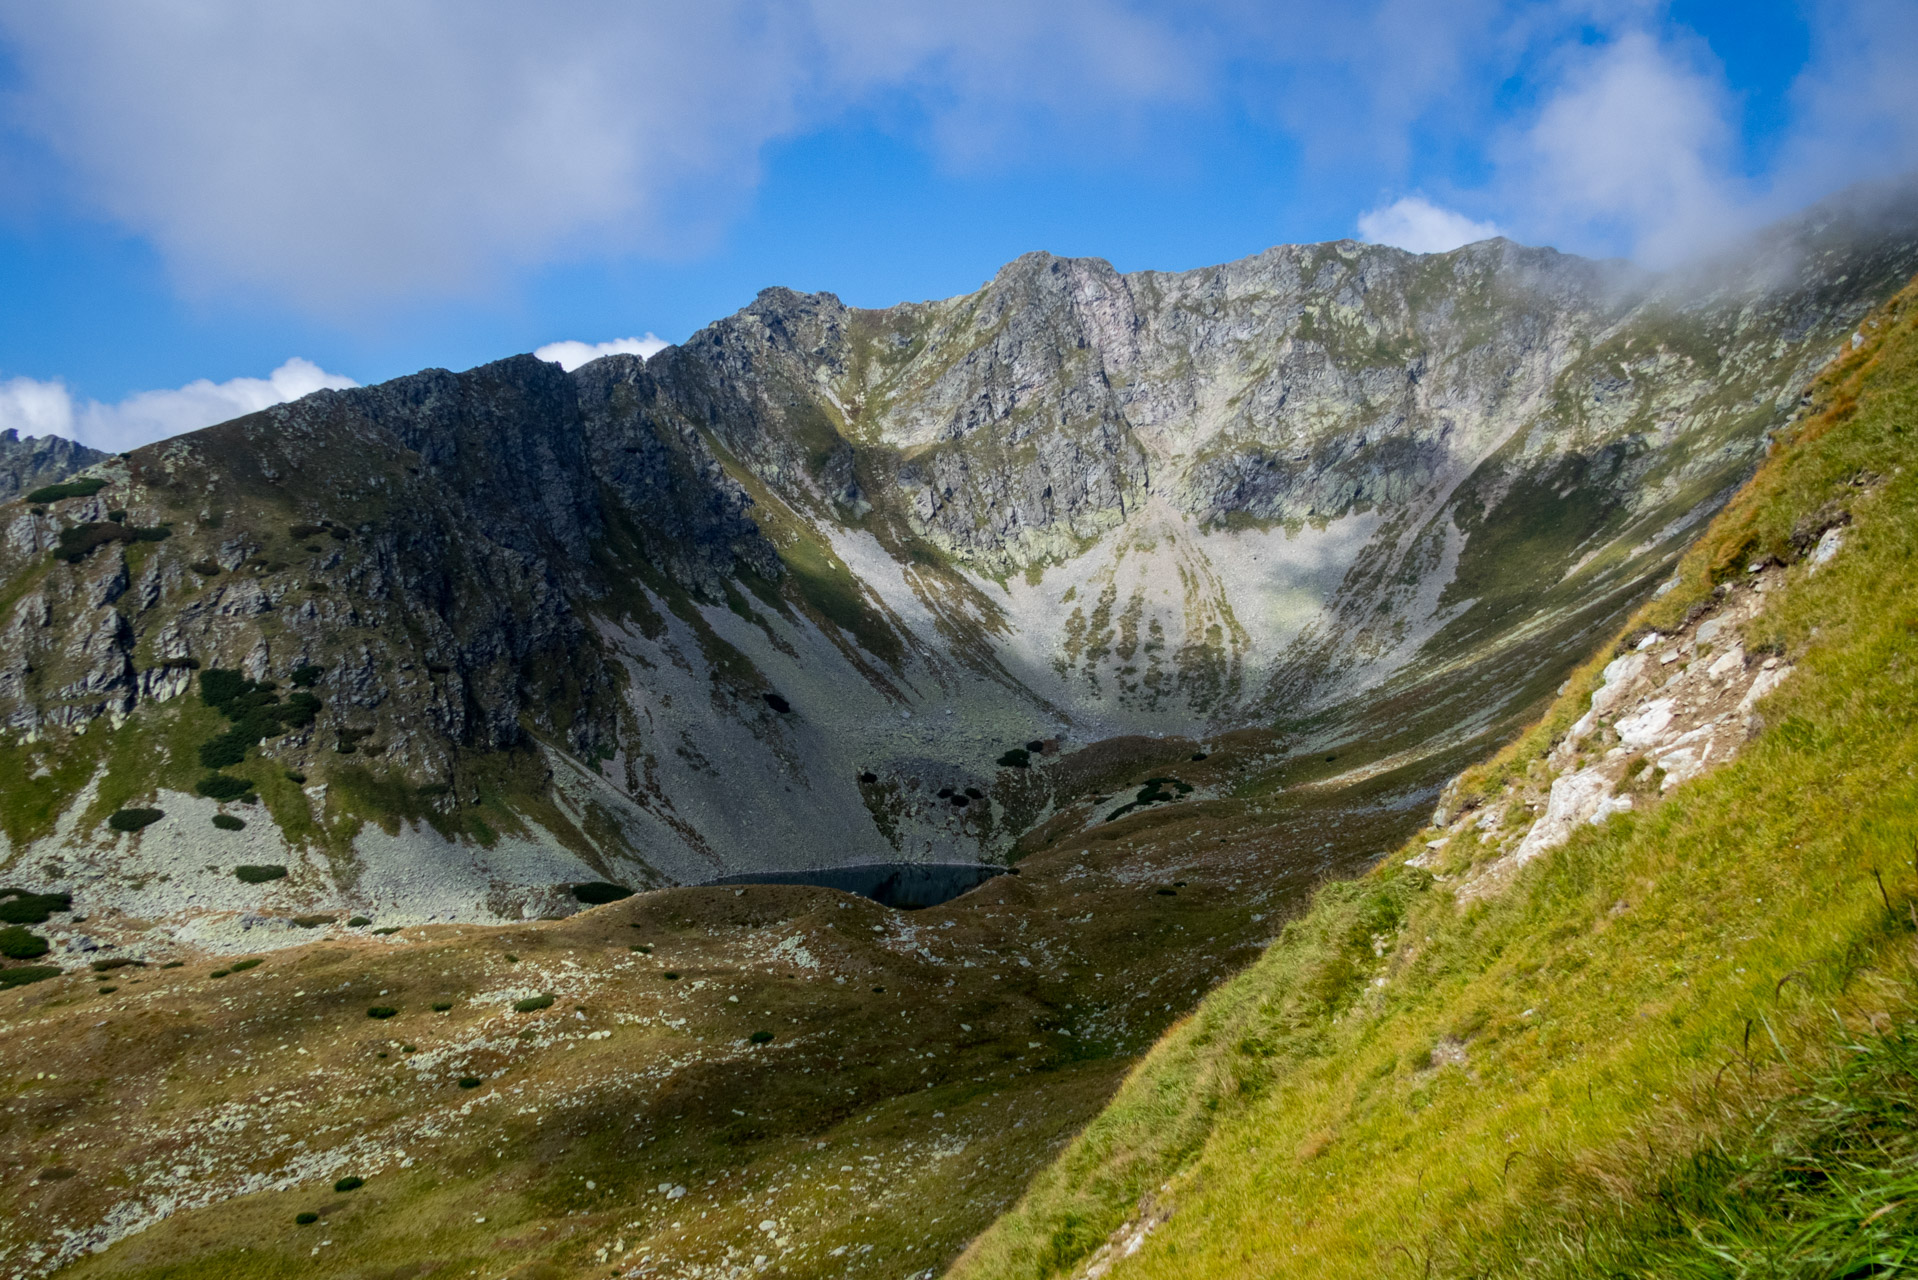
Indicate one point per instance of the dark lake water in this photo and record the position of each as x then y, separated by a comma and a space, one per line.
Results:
909, 886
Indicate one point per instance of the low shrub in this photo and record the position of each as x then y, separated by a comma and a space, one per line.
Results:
358, 922
381, 933
79, 541
227, 822
174, 964
599, 892
260, 874
532, 1003
778, 704
306, 1219
301, 532
25, 974
670, 975
470, 1082
306, 675
134, 819
241, 966
295, 776
118, 517
205, 568
1017, 758
219, 973
349, 1184
442, 1006
312, 922
761, 1037
222, 786
85, 487
17, 942
117, 962
17, 906
107, 991
381, 1011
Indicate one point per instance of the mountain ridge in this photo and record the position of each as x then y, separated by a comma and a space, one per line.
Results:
1356, 500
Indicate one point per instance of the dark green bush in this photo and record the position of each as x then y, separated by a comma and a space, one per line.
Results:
599, 891
191, 664
306, 1219
205, 568
117, 962
134, 819
1017, 758
391, 928
306, 675
381, 1011
118, 517
531, 1003
107, 991
227, 822
222, 786
301, 532
470, 1082
219, 973
241, 966
18, 943
294, 775
85, 487
82, 540
357, 921
229, 748
312, 922
174, 964
17, 906
260, 875
26, 973
761, 1037
670, 975
442, 1006
349, 1184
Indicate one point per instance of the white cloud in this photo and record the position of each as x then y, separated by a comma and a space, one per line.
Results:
570, 355
48, 408
357, 151
1419, 226
1634, 151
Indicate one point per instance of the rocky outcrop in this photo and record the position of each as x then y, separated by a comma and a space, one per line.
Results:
27, 464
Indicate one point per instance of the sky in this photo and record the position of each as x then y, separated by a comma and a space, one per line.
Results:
208, 206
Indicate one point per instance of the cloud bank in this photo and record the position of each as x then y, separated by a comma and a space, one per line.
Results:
37, 408
570, 355
359, 153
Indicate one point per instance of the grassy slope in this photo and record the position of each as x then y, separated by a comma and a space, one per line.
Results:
1672, 1046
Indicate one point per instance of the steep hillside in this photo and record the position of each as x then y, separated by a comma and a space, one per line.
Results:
1640, 1002
827, 586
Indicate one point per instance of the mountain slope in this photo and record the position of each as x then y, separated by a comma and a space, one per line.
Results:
1661, 1034
758, 601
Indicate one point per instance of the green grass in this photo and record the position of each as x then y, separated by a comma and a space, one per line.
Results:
1679, 1045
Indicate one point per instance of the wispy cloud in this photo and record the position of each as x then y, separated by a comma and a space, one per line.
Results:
358, 152
1635, 149
1416, 224
570, 354
36, 408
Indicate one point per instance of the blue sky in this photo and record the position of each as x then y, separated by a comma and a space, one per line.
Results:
193, 194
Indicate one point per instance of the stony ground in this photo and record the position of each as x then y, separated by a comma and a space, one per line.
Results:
727, 1080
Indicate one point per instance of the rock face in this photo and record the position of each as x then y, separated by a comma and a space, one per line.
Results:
756, 601
27, 464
